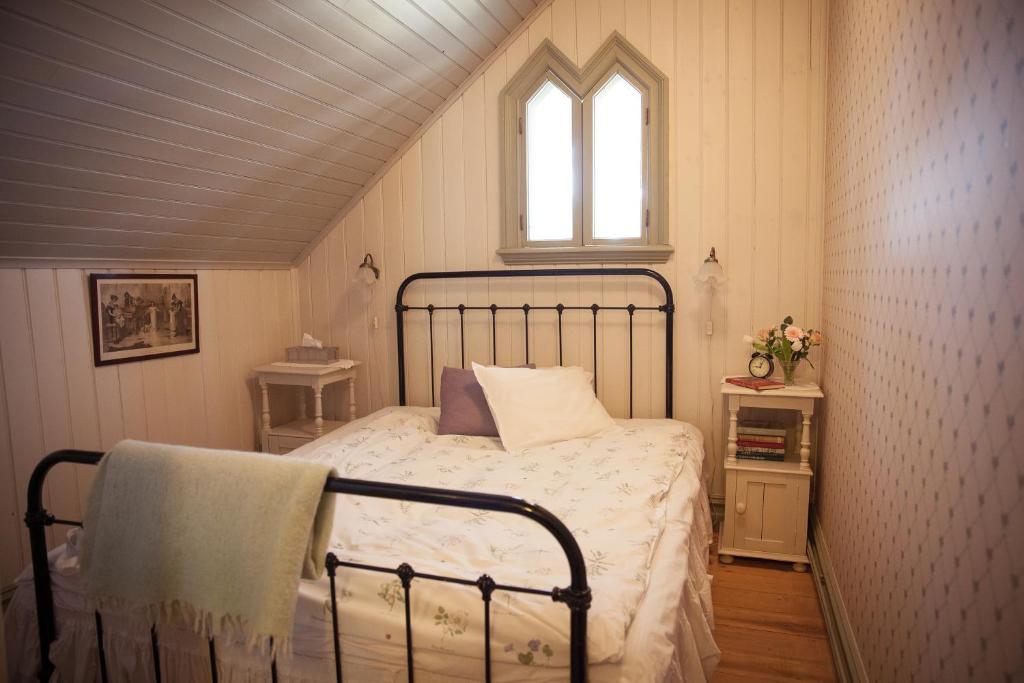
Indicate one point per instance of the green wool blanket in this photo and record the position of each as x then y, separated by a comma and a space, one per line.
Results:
214, 539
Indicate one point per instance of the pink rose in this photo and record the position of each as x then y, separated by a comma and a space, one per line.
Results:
816, 337
794, 333
762, 334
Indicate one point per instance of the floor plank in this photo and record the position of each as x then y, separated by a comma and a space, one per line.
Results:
768, 623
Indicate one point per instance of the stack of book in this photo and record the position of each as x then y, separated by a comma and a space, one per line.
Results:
760, 443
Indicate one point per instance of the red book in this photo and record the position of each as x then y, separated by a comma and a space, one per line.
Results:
754, 383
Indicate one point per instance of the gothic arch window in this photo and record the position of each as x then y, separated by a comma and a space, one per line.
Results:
584, 159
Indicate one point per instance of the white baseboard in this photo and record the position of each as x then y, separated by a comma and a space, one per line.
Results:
845, 652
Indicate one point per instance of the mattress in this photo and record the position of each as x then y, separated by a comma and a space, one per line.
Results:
633, 498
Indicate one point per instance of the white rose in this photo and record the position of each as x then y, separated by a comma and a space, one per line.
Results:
797, 345
747, 339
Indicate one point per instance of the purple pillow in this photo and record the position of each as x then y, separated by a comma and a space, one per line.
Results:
464, 408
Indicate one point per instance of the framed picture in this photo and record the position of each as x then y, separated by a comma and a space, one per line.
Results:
143, 316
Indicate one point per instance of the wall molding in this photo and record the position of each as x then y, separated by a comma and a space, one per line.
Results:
845, 652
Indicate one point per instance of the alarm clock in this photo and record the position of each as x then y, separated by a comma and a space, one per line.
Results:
761, 365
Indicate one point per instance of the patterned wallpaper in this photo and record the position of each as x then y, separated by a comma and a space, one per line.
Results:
922, 485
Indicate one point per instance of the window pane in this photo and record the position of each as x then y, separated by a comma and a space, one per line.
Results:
618, 161
549, 182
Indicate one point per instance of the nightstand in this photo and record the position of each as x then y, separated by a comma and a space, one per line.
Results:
766, 503
280, 439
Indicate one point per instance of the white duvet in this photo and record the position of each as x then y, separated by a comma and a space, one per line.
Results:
611, 491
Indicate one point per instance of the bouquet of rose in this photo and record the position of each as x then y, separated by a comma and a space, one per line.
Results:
787, 342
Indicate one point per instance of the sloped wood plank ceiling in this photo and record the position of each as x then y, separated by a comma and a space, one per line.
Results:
228, 131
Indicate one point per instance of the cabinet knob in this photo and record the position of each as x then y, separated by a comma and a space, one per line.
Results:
741, 507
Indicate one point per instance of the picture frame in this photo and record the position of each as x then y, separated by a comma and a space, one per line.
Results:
141, 316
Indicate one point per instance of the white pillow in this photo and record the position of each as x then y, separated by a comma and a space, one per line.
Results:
542, 406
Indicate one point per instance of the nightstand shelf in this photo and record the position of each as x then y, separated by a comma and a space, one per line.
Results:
283, 438
787, 466
766, 502
287, 437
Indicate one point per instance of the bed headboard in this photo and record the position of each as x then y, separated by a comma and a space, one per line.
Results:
462, 309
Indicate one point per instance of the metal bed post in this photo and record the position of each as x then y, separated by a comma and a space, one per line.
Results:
37, 519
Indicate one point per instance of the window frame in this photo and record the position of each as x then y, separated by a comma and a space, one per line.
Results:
577, 208
587, 153
547, 63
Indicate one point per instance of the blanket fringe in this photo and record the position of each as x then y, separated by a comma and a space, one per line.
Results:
200, 621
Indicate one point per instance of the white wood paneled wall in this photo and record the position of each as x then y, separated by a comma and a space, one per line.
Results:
746, 114
52, 397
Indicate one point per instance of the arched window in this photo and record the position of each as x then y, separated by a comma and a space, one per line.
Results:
584, 156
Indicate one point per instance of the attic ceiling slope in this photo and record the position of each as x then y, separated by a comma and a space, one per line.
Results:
215, 131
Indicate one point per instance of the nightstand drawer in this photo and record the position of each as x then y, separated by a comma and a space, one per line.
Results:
767, 511
279, 445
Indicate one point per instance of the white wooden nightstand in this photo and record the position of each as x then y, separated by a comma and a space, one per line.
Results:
766, 503
281, 439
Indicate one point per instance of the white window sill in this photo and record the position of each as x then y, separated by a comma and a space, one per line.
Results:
655, 253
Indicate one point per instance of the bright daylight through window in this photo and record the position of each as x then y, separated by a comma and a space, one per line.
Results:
549, 174
584, 155
618, 161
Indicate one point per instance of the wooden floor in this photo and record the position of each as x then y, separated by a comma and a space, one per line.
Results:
768, 623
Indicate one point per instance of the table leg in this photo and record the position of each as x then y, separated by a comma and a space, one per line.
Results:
734, 412
318, 414
265, 415
352, 399
266, 405
805, 442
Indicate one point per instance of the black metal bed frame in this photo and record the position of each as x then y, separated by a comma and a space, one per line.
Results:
401, 308
576, 596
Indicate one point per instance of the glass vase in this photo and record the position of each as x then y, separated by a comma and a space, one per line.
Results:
789, 371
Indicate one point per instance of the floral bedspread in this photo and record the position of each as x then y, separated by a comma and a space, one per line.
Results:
609, 490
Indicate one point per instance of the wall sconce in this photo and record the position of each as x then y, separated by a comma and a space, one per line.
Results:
711, 276
710, 273
367, 273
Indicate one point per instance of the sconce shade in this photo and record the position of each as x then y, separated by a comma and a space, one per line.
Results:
710, 273
367, 273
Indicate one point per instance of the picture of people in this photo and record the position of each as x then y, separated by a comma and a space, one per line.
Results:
136, 317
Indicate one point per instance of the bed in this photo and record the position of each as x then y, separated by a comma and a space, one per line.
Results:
640, 518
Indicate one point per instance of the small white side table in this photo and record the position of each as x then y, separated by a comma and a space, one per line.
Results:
766, 503
280, 439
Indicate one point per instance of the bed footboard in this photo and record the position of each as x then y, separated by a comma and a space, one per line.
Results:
576, 596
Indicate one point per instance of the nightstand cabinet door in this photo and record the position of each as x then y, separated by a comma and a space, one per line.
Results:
769, 512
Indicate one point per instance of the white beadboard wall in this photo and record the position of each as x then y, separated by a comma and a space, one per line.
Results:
52, 397
745, 164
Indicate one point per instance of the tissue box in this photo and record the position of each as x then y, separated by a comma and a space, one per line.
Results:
311, 354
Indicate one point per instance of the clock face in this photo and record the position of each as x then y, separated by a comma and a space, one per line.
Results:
760, 366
